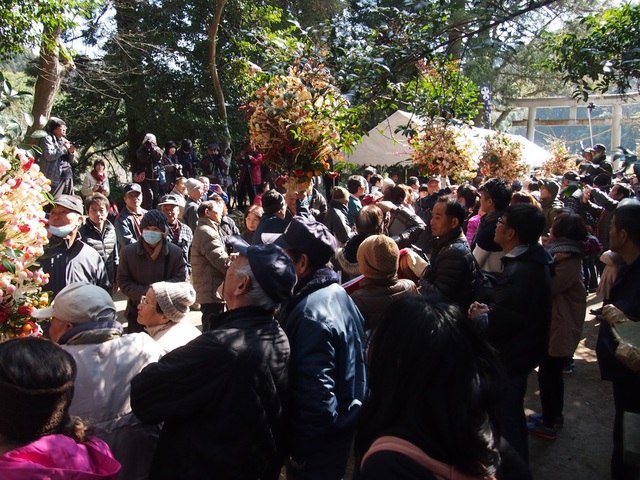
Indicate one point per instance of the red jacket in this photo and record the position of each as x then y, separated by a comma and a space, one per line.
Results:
252, 161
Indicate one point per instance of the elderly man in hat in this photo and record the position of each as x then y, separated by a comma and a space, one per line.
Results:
153, 258
67, 258
84, 322
57, 156
223, 411
179, 233
327, 367
127, 222
195, 190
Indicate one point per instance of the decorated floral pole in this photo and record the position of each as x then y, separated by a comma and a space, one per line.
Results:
560, 162
22, 238
439, 148
502, 157
298, 121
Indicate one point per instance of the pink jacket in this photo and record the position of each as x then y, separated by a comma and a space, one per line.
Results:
472, 226
58, 457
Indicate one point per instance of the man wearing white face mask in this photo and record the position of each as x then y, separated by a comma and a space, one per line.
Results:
66, 258
153, 258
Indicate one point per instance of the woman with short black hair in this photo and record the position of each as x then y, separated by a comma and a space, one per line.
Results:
38, 437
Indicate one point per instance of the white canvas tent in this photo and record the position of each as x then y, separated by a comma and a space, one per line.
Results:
383, 147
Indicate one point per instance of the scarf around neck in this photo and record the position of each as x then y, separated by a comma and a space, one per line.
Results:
100, 177
93, 332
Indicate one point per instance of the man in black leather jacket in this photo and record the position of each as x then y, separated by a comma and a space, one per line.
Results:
452, 267
222, 396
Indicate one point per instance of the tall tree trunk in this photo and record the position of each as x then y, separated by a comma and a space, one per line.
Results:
212, 30
129, 57
53, 65
457, 31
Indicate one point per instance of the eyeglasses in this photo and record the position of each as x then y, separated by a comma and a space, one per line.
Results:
502, 222
143, 300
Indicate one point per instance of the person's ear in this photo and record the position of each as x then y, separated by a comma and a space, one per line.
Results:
302, 266
623, 236
243, 287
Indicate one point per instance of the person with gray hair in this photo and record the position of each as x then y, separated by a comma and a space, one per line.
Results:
162, 311
223, 412
209, 260
84, 322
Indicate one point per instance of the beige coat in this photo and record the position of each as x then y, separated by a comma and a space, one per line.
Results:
208, 260
569, 305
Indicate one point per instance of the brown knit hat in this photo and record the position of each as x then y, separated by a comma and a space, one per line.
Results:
174, 298
378, 257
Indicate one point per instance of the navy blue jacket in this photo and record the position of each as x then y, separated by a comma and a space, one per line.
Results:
326, 370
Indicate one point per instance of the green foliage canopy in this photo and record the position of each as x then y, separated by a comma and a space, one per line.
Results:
601, 53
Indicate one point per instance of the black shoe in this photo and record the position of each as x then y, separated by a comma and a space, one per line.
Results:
596, 311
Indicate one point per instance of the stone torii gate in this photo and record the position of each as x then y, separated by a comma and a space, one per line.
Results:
614, 101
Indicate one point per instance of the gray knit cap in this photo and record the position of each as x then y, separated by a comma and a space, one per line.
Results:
174, 298
154, 218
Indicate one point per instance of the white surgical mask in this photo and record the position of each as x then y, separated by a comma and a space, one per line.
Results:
151, 236
62, 231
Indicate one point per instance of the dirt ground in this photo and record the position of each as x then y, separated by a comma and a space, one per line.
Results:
583, 447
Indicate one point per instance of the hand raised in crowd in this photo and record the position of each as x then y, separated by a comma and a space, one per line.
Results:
476, 309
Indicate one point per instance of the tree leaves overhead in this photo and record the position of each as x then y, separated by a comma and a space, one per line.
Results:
21, 22
599, 52
152, 74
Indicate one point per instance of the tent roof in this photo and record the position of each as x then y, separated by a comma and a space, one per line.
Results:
384, 147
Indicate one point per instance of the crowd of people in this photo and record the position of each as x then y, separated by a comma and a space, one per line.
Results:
394, 322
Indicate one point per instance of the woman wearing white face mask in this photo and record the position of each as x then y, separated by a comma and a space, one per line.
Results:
151, 259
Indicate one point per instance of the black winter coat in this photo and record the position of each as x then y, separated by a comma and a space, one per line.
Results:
452, 269
221, 400
520, 315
